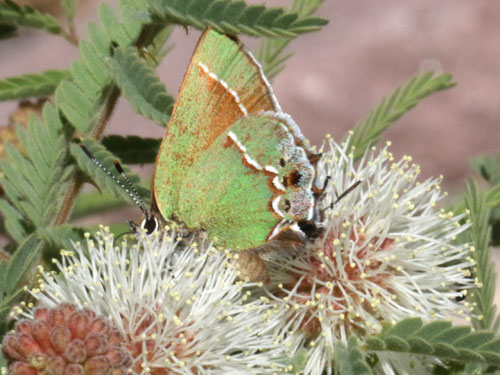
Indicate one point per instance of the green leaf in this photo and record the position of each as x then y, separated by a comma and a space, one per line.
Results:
22, 261
295, 364
474, 340
489, 167
35, 183
473, 369
350, 360
374, 343
235, 17
31, 85
367, 132
14, 222
3, 361
272, 52
69, 7
406, 327
87, 101
452, 334
76, 106
493, 197
4, 266
419, 345
141, 86
107, 179
439, 339
15, 15
62, 236
479, 235
433, 329
492, 201
14, 273
114, 28
7, 31
132, 149
492, 346
136, 10
397, 344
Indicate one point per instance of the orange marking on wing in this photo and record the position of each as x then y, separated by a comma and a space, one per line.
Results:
230, 142
273, 188
225, 109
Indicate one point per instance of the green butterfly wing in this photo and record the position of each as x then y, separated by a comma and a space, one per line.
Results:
222, 82
244, 189
231, 162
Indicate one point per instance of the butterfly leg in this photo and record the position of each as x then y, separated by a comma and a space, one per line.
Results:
346, 192
319, 192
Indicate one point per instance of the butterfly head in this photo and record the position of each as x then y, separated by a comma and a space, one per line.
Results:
149, 224
311, 228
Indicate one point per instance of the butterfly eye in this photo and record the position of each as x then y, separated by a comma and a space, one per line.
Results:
282, 162
150, 225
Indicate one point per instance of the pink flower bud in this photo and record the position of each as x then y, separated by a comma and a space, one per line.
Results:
22, 368
60, 337
75, 352
99, 365
78, 324
66, 341
96, 343
75, 369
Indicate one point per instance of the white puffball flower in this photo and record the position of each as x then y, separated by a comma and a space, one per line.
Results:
386, 253
177, 303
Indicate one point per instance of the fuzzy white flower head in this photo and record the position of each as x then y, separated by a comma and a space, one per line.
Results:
177, 304
386, 253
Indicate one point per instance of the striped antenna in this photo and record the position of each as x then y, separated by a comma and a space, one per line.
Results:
128, 186
131, 186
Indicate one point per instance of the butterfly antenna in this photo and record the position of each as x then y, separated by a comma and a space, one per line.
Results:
138, 200
129, 187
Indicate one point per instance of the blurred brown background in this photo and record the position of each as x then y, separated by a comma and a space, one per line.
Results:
337, 75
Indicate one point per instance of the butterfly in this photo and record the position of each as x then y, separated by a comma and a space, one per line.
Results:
231, 162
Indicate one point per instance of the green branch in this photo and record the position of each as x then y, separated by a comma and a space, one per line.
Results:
439, 339
368, 131
13, 14
349, 360
31, 85
235, 17
479, 235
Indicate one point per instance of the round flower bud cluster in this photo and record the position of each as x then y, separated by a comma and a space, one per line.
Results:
67, 341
